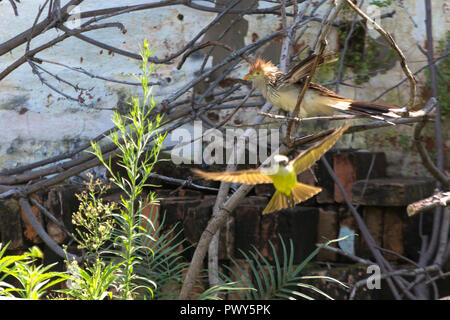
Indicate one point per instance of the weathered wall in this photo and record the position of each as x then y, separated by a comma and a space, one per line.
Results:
36, 122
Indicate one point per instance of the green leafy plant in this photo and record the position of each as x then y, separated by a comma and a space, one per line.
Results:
126, 255
93, 220
215, 292
281, 281
93, 281
165, 264
35, 280
139, 144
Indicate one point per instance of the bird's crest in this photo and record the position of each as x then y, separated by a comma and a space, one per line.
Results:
269, 70
261, 65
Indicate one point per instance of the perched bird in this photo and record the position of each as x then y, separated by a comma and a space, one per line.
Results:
283, 90
283, 174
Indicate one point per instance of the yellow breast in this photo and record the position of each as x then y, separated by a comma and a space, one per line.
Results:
284, 179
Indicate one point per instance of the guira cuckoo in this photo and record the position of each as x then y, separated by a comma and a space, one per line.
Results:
283, 90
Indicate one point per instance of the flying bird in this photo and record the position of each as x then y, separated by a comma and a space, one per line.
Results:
282, 174
283, 90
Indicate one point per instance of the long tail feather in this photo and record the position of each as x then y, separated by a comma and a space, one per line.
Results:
373, 110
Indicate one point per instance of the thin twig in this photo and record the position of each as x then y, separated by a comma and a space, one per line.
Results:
181, 182
322, 45
49, 215
402, 272
348, 255
393, 44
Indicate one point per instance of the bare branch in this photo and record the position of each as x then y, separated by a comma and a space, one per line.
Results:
14, 7
46, 24
181, 182
437, 199
43, 234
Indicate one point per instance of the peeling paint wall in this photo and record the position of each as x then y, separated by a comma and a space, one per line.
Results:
36, 123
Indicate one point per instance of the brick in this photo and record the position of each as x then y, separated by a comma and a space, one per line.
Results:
190, 193
164, 193
247, 227
264, 189
326, 196
196, 220
346, 173
11, 224
374, 219
351, 166
308, 176
269, 230
240, 275
151, 212
173, 211
393, 232
62, 202
256, 200
29, 231
226, 239
327, 229
392, 191
254, 229
411, 233
175, 208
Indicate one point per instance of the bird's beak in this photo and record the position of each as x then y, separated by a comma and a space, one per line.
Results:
248, 76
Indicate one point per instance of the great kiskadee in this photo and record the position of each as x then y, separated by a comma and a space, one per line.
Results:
282, 174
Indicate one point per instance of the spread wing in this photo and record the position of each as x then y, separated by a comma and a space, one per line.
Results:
251, 176
304, 67
307, 158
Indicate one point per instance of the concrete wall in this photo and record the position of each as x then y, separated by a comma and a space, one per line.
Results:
36, 123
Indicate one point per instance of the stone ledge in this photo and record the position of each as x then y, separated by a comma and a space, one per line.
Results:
396, 192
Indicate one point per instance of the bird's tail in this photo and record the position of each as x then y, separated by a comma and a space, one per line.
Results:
374, 110
299, 193
302, 192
